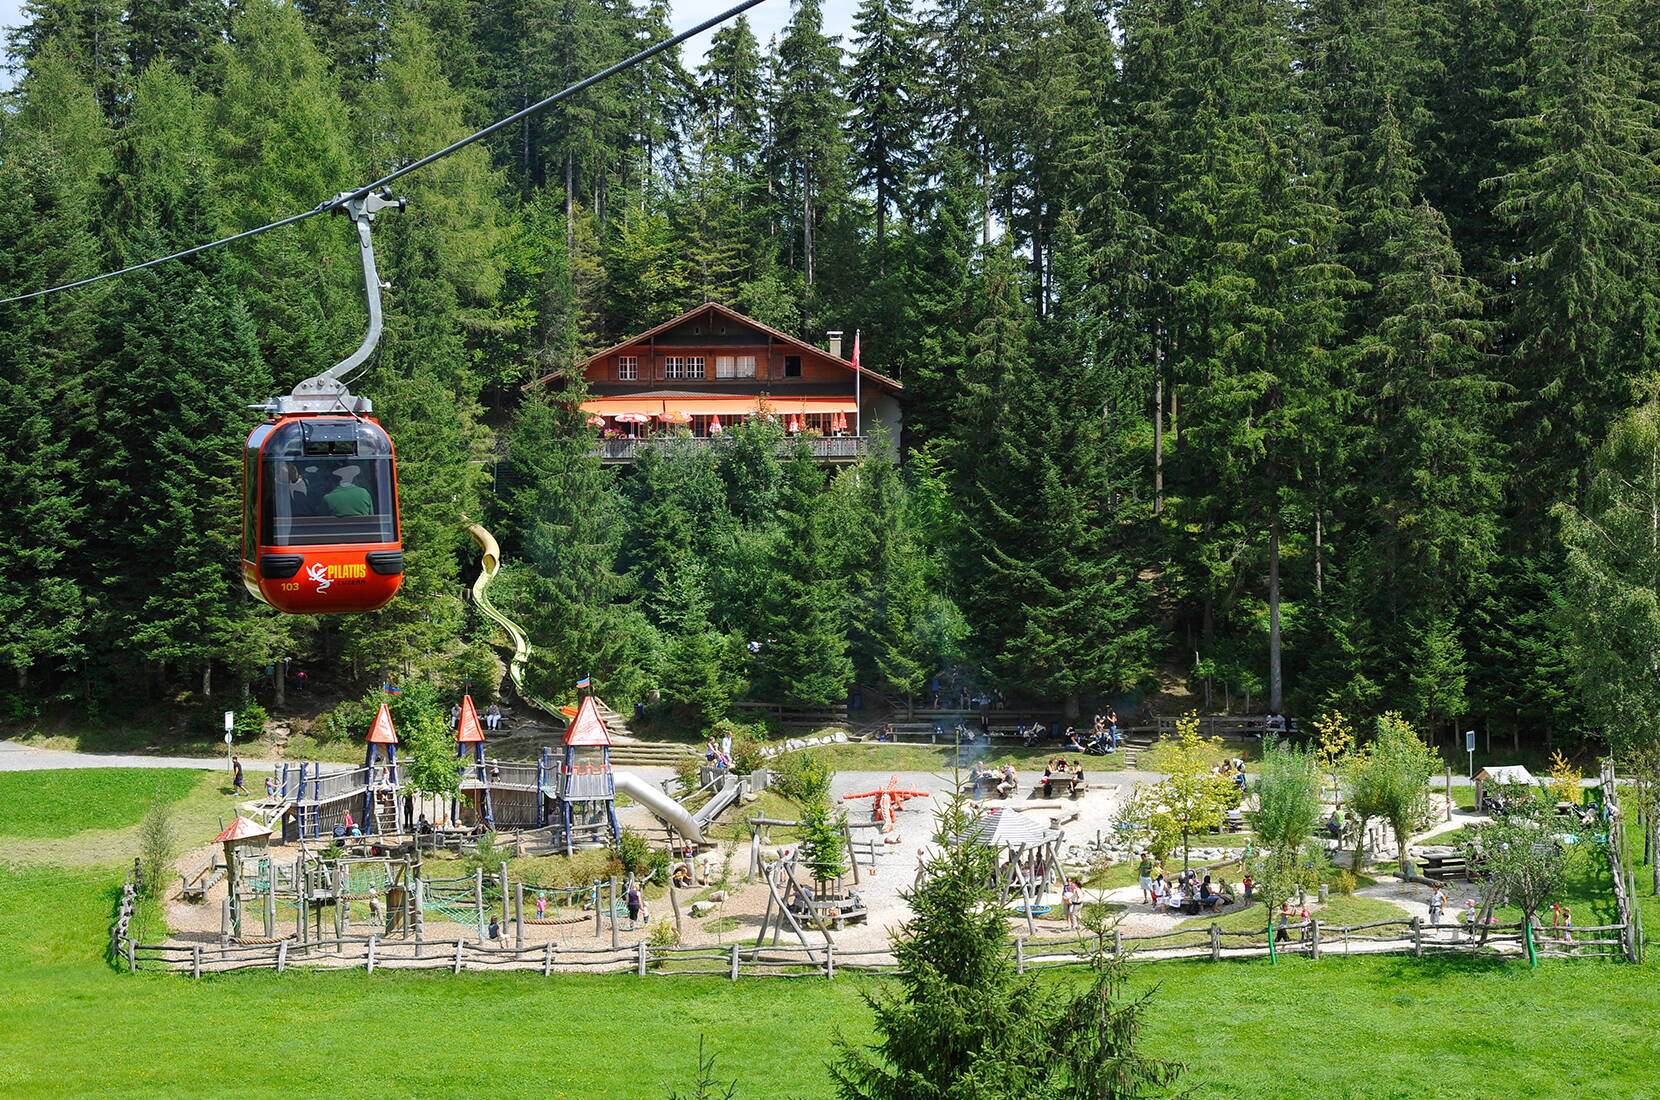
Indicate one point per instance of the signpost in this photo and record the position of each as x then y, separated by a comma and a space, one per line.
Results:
1470, 747
230, 724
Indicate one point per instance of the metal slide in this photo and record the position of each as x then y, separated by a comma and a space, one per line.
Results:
636, 788
489, 560
660, 804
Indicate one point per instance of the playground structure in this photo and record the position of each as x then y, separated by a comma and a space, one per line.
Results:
888, 801
1028, 857
575, 794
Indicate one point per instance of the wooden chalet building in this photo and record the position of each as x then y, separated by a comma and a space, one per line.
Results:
703, 371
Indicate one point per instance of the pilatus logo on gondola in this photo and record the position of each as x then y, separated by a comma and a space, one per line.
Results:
325, 575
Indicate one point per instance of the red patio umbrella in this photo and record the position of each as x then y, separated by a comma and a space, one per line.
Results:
597, 421
795, 424
674, 416
714, 425
840, 424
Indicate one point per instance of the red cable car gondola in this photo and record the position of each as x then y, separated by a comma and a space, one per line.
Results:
320, 531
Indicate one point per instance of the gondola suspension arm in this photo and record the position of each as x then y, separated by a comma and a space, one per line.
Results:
327, 392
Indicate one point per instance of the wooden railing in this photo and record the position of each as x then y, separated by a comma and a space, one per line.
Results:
832, 448
1308, 939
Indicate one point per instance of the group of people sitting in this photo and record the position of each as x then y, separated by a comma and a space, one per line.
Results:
1188, 893
1005, 780
1060, 769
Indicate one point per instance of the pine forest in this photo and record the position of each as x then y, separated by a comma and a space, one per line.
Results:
1264, 350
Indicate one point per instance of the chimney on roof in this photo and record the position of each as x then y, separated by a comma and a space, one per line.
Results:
833, 339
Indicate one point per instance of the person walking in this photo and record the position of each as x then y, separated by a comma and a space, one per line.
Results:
236, 775
1437, 905
1072, 902
632, 899
1144, 871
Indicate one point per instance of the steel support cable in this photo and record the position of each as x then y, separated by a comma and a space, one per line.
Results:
336, 201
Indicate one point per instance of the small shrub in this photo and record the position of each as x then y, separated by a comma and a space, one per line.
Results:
250, 722
634, 852
157, 847
800, 776
663, 934
685, 774
1342, 882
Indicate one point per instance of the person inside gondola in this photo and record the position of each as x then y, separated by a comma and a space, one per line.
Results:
349, 498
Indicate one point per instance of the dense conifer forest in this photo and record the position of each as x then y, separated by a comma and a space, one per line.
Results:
1259, 347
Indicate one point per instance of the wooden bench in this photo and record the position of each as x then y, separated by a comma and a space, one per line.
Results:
195, 885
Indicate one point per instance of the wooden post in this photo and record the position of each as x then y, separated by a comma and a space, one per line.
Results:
611, 907
547, 959
1020, 954
478, 900
519, 916
420, 913
829, 960
1449, 792
1314, 938
598, 931
301, 904
369, 960
270, 898
852, 856
734, 962
674, 903
641, 962
339, 902
282, 956
227, 917
1417, 938
1117, 941
459, 944
195, 960
132, 957
502, 878
1215, 942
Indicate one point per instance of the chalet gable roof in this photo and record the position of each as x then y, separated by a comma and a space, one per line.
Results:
733, 315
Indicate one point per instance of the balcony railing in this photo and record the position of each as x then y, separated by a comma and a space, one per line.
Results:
833, 448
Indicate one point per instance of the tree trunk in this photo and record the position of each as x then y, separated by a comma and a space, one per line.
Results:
1276, 692
1158, 426
570, 205
280, 697
207, 680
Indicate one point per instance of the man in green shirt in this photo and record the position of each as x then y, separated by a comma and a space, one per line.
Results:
350, 498
1144, 870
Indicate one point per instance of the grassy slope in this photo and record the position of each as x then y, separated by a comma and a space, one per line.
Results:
1341, 1028
63, 803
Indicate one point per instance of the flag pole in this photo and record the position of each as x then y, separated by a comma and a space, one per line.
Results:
858, 391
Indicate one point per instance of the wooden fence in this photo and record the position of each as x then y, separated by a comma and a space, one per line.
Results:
1310, 939
1631, 919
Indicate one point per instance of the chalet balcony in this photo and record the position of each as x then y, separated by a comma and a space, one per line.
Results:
832, 449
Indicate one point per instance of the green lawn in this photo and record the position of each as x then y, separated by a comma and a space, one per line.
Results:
63, 803
1339, 1029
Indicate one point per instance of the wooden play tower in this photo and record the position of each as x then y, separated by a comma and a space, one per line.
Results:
587, 799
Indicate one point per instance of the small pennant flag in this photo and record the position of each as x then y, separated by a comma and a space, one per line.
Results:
855, 349
390, 690
584, 682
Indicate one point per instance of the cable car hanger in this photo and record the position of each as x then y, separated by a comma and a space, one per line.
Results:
327, 392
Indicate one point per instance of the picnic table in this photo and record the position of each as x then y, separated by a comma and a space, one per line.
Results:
1062, 783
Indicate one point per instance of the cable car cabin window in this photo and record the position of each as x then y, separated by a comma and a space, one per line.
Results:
328, 483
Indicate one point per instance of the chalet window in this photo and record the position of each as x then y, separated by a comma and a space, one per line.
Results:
628, 368
746, 366
792, 366
724, 366
683, 366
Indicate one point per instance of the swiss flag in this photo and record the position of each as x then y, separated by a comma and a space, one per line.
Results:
855, 349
